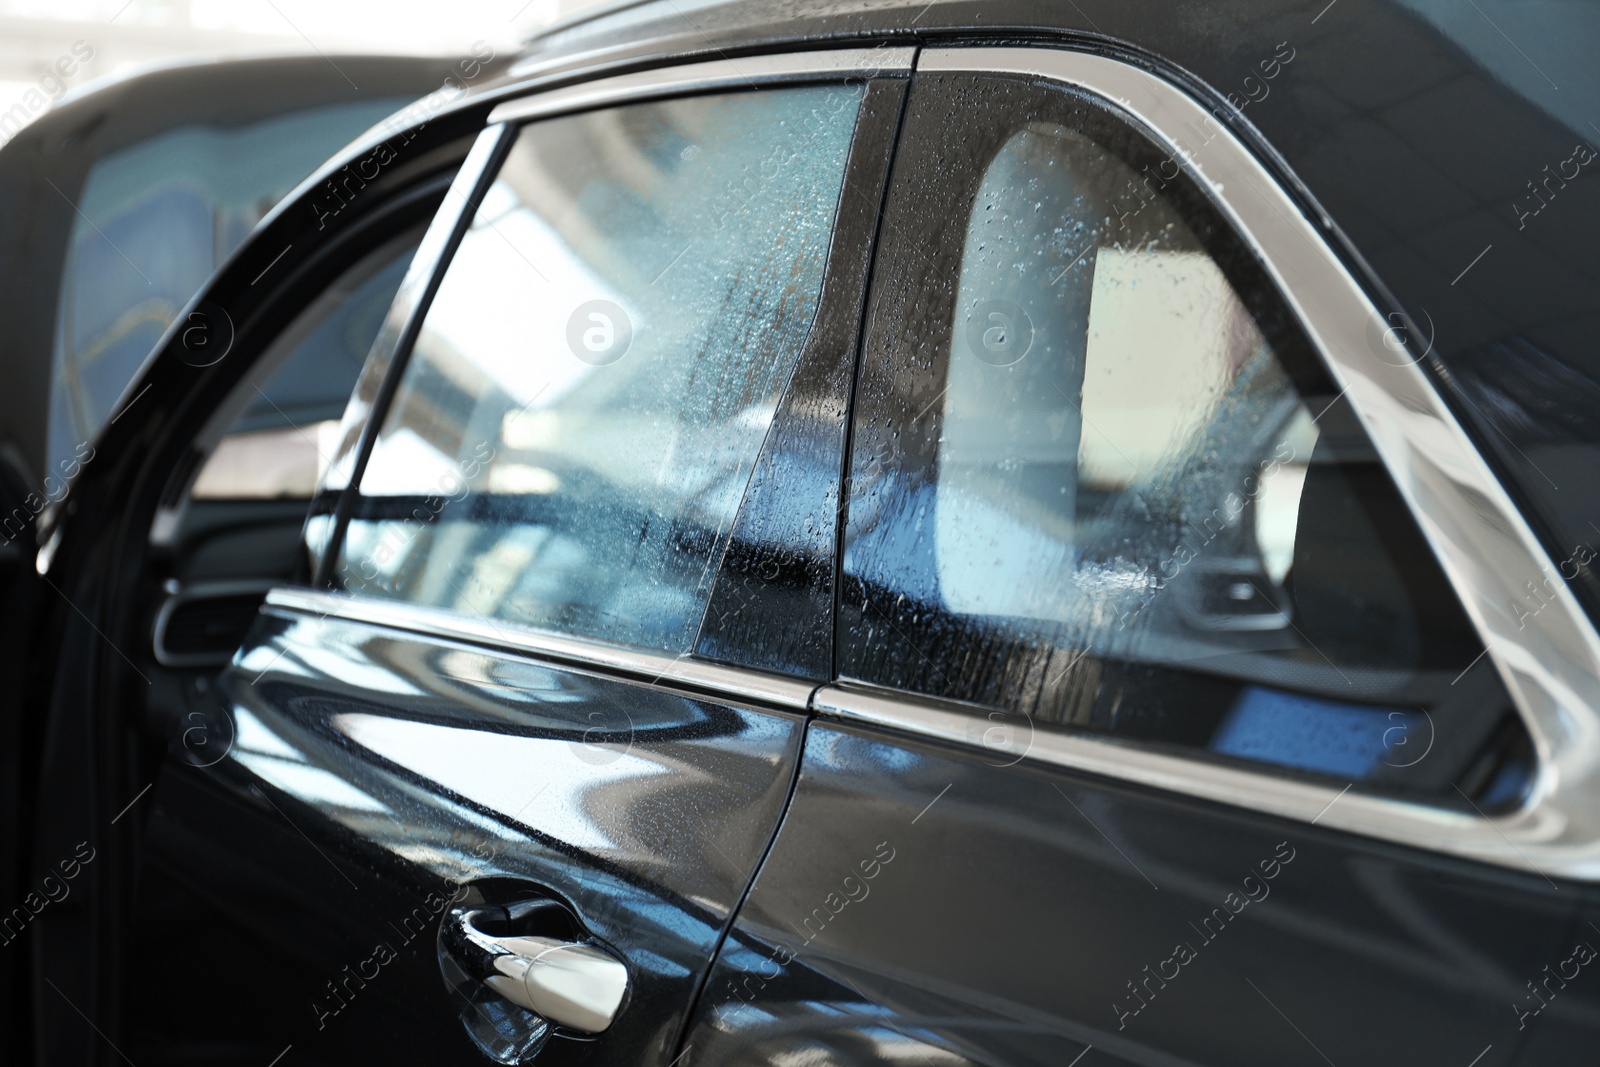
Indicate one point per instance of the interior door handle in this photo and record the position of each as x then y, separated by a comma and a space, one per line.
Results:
570, 984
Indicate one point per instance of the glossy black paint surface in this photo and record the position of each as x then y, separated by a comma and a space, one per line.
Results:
102, 735
370, 775
1021, 901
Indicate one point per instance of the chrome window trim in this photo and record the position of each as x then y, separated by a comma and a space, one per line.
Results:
837, 63
1550, 661
1129, 761
379, 377
638, 665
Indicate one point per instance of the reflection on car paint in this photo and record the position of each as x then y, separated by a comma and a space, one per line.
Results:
375, 758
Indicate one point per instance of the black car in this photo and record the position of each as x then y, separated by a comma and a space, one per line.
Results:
939, 533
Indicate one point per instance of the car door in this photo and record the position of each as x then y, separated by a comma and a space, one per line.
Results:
1160, 734
114, 208
541, 708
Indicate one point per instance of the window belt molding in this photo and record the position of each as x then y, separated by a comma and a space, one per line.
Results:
640, 665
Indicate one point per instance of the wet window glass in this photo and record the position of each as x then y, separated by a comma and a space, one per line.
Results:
1101, 482
593, 383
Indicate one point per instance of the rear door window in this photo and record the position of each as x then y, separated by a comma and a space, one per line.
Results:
1101, 481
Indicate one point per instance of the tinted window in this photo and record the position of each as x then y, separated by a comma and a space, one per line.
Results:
1100, 480
253, 468
576, 426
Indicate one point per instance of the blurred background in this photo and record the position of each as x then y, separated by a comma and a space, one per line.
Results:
142, 140
127, 34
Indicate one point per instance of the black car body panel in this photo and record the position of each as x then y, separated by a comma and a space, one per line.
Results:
646, 810
922, 904
408, 192
44, 171
918, 902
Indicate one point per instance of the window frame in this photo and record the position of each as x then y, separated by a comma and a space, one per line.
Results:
386, 364
1549, 662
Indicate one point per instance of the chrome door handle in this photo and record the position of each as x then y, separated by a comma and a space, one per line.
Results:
571, 984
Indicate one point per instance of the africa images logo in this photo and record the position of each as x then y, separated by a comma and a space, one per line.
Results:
599, 332
1252, 890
